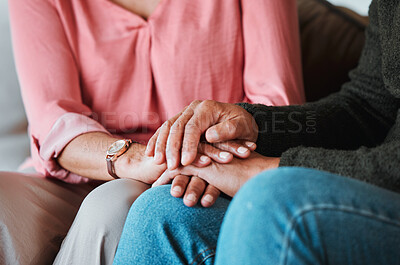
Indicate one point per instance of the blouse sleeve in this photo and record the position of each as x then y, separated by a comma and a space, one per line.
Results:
272, 70
49, 81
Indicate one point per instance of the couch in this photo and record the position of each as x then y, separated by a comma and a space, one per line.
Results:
35, 213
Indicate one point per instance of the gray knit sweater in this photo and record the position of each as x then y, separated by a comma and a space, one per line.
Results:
355, 132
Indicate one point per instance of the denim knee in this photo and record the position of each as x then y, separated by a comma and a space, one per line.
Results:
160, 229
157, 208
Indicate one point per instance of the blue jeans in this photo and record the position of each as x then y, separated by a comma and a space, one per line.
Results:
283, 216
161, 230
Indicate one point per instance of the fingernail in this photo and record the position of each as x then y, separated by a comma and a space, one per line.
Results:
177, 189
170, 163
214, 135
224, 155
242, 150
191, 197
185, 158
157, 156
208, 198
250, 144
204, 159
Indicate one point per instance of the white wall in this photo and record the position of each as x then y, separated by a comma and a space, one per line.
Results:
360, 6
14, 147
9, 90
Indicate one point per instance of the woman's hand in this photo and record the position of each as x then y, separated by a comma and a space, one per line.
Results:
220, 122
192, 188
228, 178
135, 165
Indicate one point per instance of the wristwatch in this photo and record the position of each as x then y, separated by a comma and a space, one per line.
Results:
115, 150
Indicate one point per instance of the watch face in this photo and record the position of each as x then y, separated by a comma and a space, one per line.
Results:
116, 147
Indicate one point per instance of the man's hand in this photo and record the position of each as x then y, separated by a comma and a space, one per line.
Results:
192, 189
135, 165
228, 178
220, 122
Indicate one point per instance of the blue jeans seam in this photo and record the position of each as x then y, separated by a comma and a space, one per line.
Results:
201, 257
293, 222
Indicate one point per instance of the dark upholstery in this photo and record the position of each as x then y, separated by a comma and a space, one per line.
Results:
332, 39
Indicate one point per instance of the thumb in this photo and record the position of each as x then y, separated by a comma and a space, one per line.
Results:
224, 131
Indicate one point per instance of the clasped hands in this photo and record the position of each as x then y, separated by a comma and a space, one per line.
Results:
208, 148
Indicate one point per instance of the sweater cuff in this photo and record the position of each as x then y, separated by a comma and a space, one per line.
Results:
251, 108
290, 157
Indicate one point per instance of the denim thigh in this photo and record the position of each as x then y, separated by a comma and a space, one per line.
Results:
304, 216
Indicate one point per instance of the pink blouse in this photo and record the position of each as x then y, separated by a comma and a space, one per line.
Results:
90, 65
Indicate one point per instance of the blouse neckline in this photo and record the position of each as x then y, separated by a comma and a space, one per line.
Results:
131, 15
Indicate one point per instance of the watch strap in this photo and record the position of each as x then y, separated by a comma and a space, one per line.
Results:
111, 169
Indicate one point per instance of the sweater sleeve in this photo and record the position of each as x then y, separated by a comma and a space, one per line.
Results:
343, 133
272, 67
49, 82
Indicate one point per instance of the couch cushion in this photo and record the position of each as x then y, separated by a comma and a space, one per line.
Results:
332, 39
14, 144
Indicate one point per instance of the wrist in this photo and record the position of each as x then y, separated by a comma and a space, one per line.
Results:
135, 165
130, 159
269, 163
275, 162
255, 129
251, 122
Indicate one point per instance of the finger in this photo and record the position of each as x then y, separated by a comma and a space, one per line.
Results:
179, 185
211, 194
238, 148
224, 131
174, 142
251, 145
162, 137
151, 145
194, 190
201, 120
201, 161
215, 154
159, 156
169, 175
165, 178
234, 124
